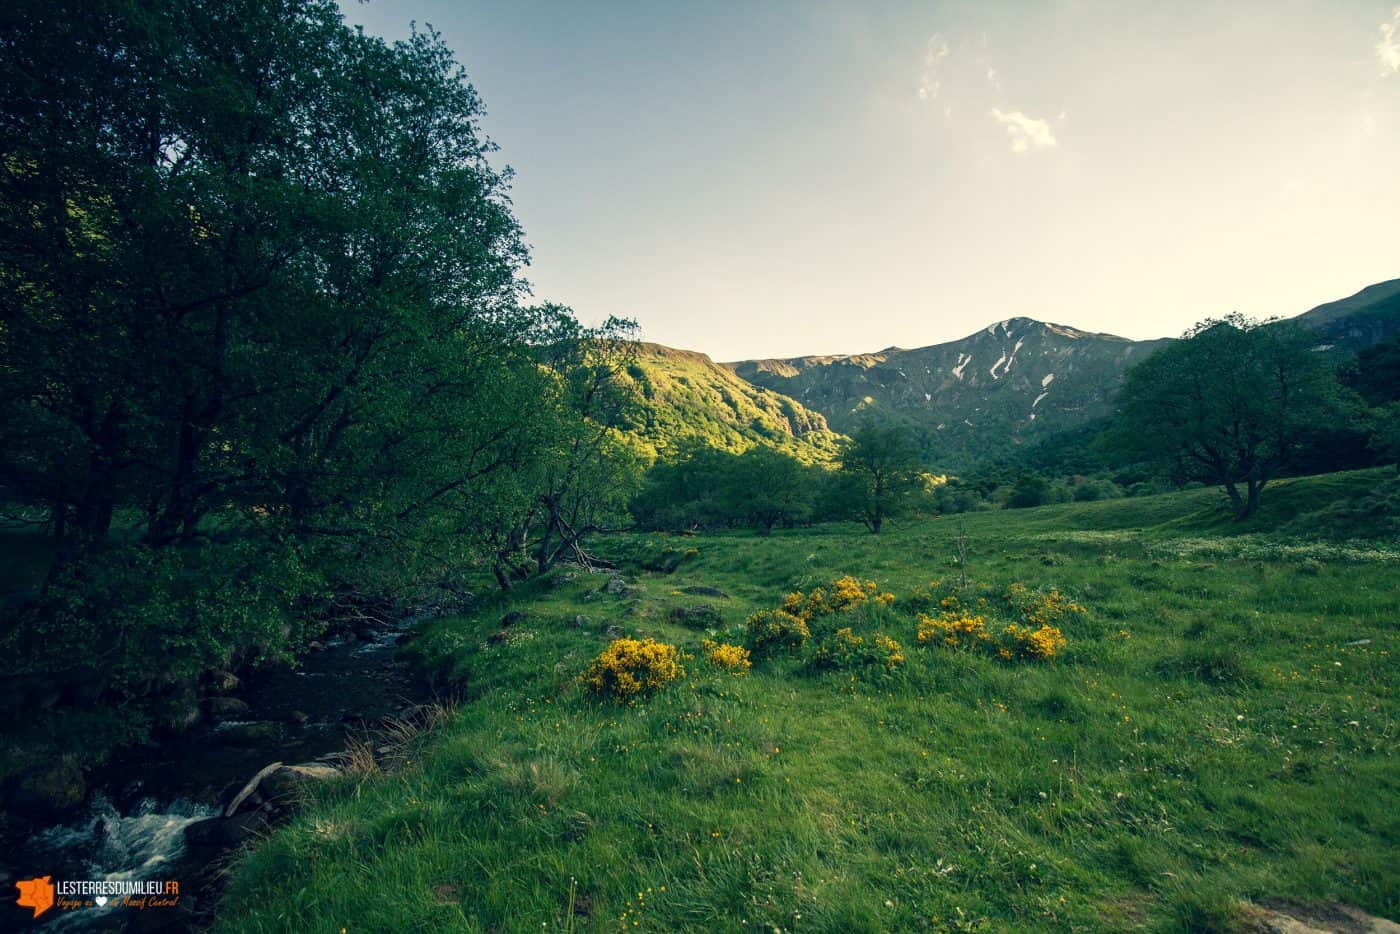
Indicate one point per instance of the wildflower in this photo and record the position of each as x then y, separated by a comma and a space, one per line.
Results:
732, 658
954, 627
631, 667
770, 630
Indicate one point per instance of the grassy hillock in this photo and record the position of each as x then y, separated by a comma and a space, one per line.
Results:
1218, 728
690, 399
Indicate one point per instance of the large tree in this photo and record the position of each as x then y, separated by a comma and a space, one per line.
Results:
259, 286
1229, 404
880, 472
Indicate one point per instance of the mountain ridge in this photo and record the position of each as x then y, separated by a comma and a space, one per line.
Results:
1015, 380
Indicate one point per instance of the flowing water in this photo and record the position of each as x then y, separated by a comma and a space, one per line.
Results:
133, 825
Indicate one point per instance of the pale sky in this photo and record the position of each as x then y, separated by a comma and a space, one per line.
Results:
781, 178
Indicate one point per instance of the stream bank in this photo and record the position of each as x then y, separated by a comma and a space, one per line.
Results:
156, 811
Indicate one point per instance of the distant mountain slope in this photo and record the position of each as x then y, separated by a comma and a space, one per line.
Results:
1016, 381
690, 398
1012, 380
1368, 317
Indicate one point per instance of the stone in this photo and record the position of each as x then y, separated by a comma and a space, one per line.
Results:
251, 734
580, 621
703, 591
222, 709
250, 788
181, 712
511, 618
700, 616
287, 780
221, 682
299, 717
220, 832
1281, 917
616, 586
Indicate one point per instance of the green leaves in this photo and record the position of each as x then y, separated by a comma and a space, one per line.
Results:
1229, 404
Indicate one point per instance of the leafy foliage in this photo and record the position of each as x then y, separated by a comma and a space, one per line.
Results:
880, 474
264, 336
1229, 404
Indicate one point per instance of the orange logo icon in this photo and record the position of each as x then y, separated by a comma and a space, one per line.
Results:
36, 894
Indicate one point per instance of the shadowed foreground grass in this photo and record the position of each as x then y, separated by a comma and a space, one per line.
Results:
1221, 726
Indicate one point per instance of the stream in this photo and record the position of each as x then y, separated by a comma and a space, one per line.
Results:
132, 827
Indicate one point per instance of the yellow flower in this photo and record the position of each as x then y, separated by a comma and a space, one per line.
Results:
732, 658
630, 667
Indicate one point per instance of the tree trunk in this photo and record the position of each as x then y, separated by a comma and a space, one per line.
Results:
1237, 503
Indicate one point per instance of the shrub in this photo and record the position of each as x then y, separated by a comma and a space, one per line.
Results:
847, 651
844, 593
954, 627
770, 631
1041, 608
731, 658
1041, 643
629, 668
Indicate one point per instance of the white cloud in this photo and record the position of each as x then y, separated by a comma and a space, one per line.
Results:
1388, 49
1026, 133
992, 78
934, 53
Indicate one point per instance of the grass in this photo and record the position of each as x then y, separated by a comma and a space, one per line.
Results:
1221, 727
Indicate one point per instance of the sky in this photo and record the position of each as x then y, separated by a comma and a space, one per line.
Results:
773, 179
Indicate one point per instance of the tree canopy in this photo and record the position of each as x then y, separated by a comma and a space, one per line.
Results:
261, 308
1230, 404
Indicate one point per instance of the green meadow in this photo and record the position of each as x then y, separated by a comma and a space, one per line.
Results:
1219, 729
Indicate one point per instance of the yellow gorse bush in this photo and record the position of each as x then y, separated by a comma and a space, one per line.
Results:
772, 630
731, 658
953, 627
894, 652
1041, 609
844, 593
629, 668
958, 624
843, 649
1042, 642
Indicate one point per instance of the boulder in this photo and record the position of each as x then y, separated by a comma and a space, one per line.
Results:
703, 591
287, 780
220, 832
250, 789
180, 712
700, 616
221, 682
223, 709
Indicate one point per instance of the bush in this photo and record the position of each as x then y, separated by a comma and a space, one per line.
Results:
1036, 635
630, 668
845, 651
956, 628
771, 631
1041, 607
1042, 643
842, 594
731, 658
